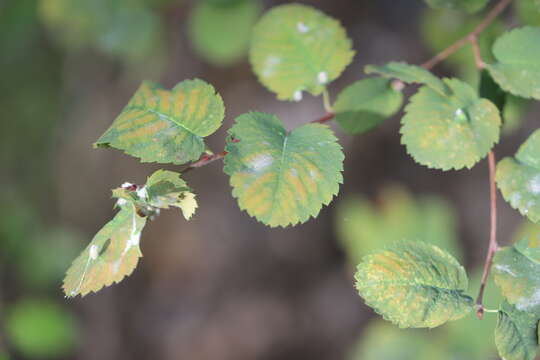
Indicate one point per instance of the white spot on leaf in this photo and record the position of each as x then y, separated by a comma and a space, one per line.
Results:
322, 77
93, 252
297, 96
261, 162
303, 28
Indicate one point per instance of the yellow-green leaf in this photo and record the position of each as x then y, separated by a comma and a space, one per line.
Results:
451, 131
112, 254
297, 48
281, 177
414, 284
165, 126
518, 178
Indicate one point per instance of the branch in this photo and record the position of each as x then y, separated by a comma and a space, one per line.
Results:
396, 84
207, 158
470, 37
493, 246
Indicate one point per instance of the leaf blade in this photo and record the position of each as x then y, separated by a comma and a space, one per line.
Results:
282, 178
414, 285
164, 126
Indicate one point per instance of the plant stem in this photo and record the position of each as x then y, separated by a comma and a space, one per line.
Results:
470, 37
493, 246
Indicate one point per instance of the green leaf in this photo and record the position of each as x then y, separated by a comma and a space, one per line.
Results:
408, 73
282, 177
364, 226
470, 6
517, 69
516, 333
297, 48
414, 284
530, 247
365, 104
40, 329
450, 131
518, 278
219, 44
528, 11
164, 126
519, 178
166, 188
112, 254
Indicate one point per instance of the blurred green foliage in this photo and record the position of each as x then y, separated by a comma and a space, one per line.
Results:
364, 226
527, 12
220, 30
128, 29
40, 329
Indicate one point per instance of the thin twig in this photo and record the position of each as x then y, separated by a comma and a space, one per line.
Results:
477, 55
398, 85
493, 246
492, 15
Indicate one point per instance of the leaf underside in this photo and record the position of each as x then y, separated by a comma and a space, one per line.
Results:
282, 178
516, 335
414, 284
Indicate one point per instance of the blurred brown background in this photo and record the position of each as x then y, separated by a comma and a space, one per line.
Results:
221, 286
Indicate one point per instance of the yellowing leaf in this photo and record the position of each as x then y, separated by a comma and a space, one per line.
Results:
297, 48
112, 254
278, 177
165, 126
414, 284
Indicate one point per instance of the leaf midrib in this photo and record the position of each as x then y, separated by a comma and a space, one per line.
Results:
167, 117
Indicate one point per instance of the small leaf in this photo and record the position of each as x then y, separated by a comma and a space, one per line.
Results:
516, 333
164, 126
112, 254
517, 69
470, 6
166, 188
278, 177
218, 43
519, 178
414, 284
408, 73
518, 278
450, 131
365, 104
297, 48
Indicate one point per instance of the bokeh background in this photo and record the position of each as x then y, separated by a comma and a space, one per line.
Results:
221, 286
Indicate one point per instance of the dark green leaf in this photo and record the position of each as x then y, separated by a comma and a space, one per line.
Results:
365, 104
516, 333
470, 6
